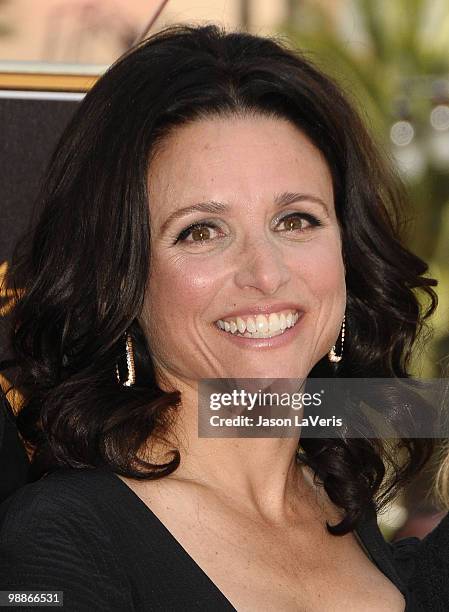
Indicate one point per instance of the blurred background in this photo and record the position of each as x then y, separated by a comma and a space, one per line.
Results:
390, 56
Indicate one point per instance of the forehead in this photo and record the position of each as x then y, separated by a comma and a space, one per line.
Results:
242, 160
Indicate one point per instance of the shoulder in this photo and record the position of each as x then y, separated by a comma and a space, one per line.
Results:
430, 577
63, 499
437, 542
393, 559
53, 536
62, 496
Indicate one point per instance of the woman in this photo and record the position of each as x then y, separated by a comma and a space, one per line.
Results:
215, 210
428, 559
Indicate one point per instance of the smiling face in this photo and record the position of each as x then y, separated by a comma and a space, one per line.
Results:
256, 288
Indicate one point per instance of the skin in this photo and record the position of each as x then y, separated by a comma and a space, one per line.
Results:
250, 259
248, 508
244, 163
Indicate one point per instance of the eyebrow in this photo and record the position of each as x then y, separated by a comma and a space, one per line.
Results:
212, 206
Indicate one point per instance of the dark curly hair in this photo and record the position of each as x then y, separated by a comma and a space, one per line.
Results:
81, 277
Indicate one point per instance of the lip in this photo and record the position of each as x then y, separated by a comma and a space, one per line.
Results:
265, 343
263, 309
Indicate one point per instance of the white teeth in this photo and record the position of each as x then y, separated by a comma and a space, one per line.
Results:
282, 321
251, 325
273, 321
241, 325
260, 326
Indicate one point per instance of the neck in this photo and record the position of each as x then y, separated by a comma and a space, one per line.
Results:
258, 475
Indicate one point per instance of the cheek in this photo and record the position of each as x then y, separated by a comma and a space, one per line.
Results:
326, 274
180, 290
320, 266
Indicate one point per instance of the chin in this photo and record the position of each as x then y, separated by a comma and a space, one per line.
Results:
269, 373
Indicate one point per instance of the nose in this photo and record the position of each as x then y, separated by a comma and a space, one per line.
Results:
262, 266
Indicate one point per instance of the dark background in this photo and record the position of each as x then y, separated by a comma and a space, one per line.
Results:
29, 132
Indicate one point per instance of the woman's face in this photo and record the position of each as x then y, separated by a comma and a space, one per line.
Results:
264, 252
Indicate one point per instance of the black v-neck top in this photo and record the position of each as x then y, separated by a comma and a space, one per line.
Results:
86, 533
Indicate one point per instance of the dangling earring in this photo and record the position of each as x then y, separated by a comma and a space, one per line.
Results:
332, 354
131, 379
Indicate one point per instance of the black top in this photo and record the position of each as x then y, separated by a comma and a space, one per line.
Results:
13, 458
86, 533
429, 581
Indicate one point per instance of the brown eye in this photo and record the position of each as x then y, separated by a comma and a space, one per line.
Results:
200, 233
293, 223
298, 222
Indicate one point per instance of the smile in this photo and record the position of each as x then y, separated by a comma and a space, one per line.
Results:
259, 326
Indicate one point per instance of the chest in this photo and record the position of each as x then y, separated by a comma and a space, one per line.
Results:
299, 568
270, 570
